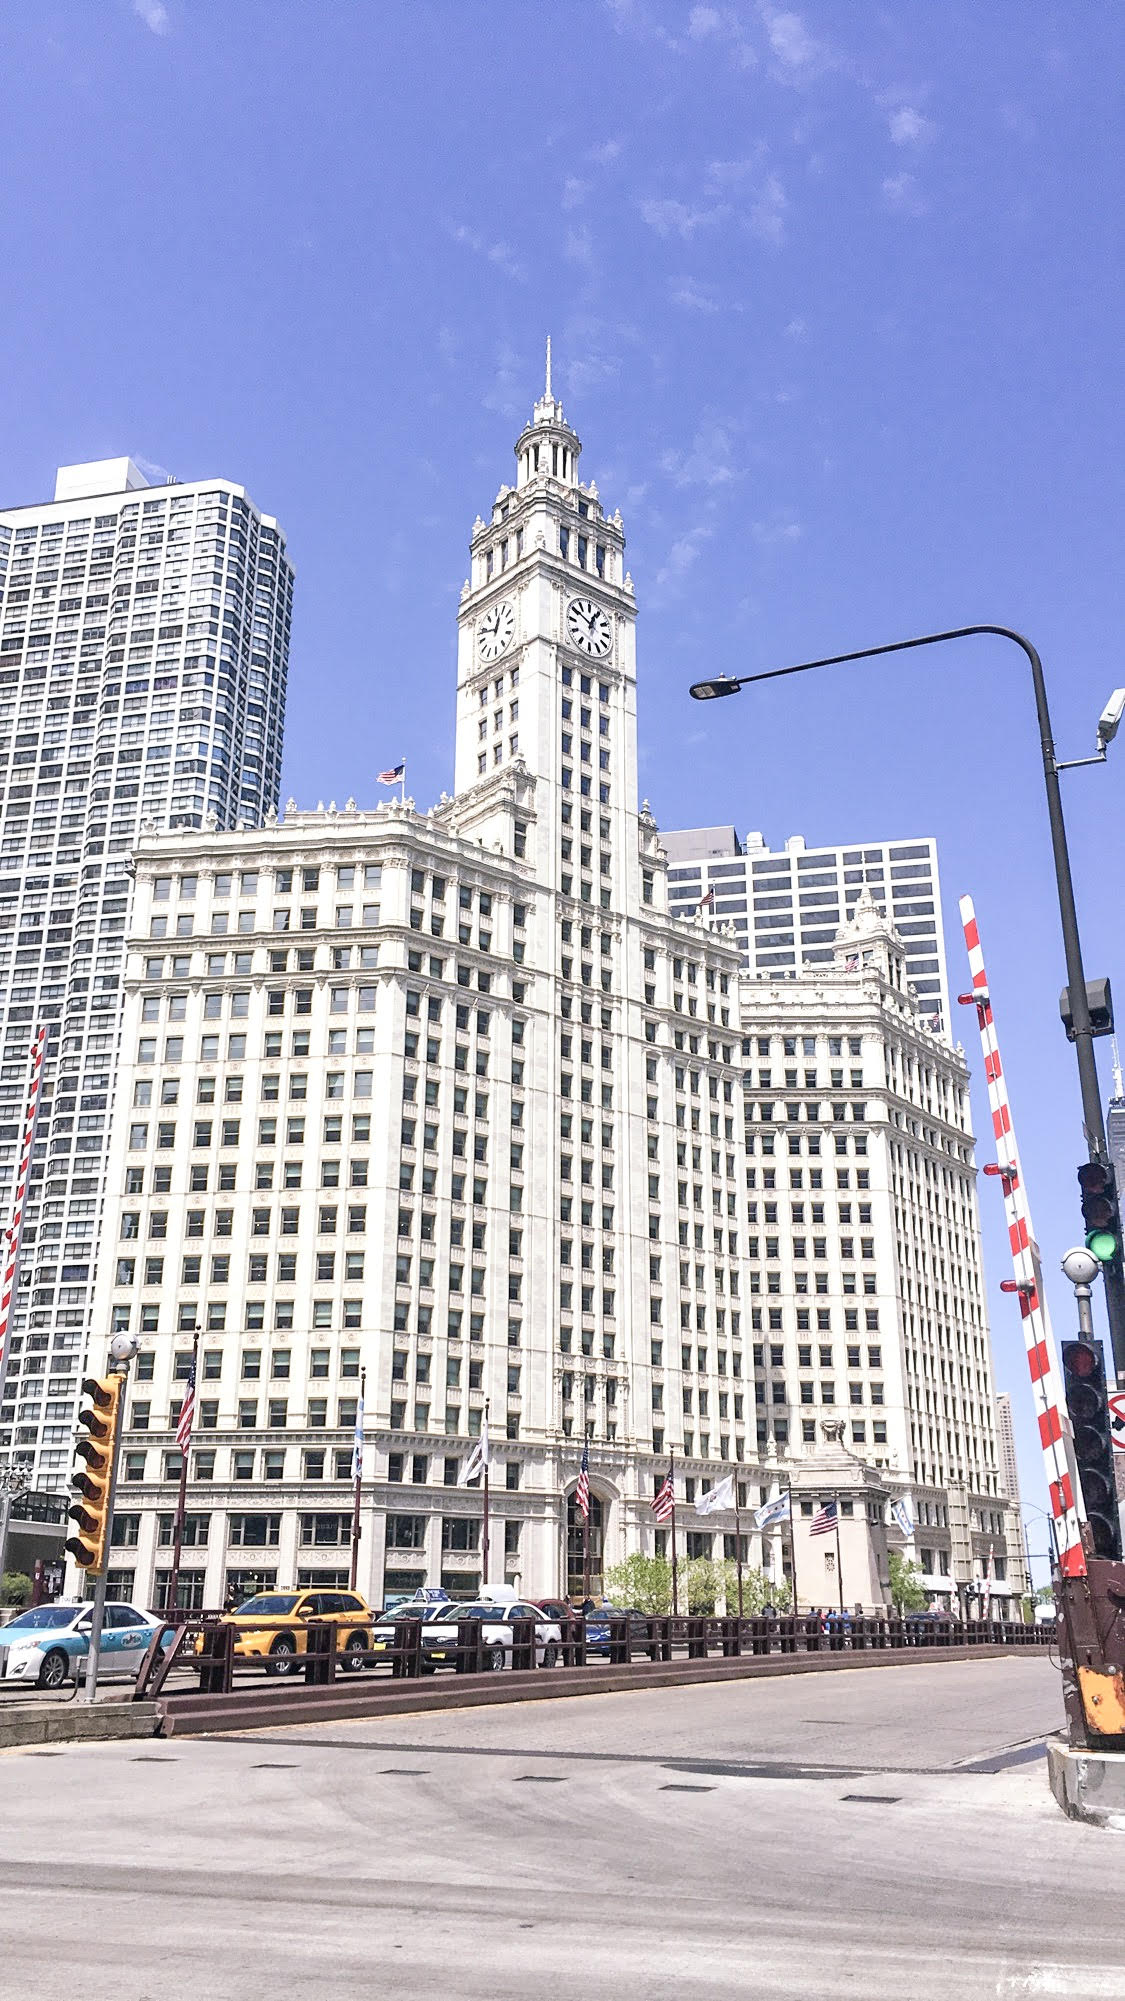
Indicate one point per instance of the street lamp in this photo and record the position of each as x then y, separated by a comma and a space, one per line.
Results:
729, 684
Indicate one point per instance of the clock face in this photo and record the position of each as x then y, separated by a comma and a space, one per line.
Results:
587, 626
495, 628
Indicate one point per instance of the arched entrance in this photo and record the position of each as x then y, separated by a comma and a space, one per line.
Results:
575, 1556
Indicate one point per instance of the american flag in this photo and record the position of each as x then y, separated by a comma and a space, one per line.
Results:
708, 900
824, 1521
582, 1491
663, 1502
392, 776
187, 1410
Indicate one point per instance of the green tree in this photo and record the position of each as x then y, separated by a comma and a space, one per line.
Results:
907, 1593
15, 1588
643, 1583
704, 1583
758, 1591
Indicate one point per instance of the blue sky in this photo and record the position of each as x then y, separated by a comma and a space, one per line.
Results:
836, 297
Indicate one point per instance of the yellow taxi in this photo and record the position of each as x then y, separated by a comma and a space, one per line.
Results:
273, 1626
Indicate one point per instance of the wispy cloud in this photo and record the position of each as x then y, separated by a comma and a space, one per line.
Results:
902, 194
909, 128
767, 214
708, 460
678, 218
501, 254
154, 15
508, 393
592, 351
688, 295
578, 246
796, 53
574, 192
722, 25
604, 152
777, 531
155, 474
682, 556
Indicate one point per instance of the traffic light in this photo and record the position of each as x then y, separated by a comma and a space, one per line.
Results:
1100, 1213
92, 1481
1085, 1388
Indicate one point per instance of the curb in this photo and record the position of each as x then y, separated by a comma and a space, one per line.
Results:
26, 1723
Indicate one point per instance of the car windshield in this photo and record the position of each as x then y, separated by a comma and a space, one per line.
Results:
412, 1612
39, 1618
269, 1603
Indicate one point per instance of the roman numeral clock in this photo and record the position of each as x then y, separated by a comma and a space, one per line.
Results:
587, 628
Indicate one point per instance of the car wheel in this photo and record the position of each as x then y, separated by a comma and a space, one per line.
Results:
550, 1654
494, 1659
355, 1650
55, 1669
283, 1653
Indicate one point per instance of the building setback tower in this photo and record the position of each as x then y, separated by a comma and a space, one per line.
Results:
784, 904
142, 684
470, 1109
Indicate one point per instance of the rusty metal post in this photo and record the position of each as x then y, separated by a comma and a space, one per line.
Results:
216, 1660
320, 1653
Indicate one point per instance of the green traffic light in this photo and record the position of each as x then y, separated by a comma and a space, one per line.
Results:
1103, 1245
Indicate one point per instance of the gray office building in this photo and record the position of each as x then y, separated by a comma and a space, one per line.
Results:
785, 905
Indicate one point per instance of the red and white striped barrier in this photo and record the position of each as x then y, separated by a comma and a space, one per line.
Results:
1042, 1357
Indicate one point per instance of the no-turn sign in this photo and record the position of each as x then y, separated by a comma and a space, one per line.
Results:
1117, 1421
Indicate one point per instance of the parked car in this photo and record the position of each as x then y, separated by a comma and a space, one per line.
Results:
597, 1627
272, 1627
46, 1644
382, 1632
439, 1636
556, 1608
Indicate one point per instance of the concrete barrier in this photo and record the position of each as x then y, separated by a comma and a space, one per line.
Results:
23, 1723
269, 1705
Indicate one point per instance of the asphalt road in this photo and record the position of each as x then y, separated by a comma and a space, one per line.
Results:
880, 1833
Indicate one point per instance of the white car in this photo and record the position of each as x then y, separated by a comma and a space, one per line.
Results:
439, 1636
47, 1645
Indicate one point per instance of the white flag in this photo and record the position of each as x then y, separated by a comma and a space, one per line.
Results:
773, 1512
477, 1461
718, 1497
357, 1443
902, 1518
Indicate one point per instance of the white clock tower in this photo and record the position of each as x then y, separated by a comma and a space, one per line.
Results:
546, 670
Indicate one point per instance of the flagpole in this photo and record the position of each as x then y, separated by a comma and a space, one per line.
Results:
675, 1558
738, 1544
484, 1532
586, 1546
792, 1544
402, 794
839, 1558
181, 1498
358, 1452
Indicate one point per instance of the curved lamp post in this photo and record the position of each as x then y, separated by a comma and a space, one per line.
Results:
725, 684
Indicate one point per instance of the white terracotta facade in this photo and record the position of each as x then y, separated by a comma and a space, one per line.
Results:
451, 1098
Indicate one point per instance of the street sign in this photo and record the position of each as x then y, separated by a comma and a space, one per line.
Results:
1117, 1421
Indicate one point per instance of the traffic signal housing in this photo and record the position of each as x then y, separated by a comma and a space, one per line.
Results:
1101, 1216
1084, 1386
92, 1478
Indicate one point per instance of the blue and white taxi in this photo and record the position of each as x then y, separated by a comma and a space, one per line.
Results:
46, 1645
